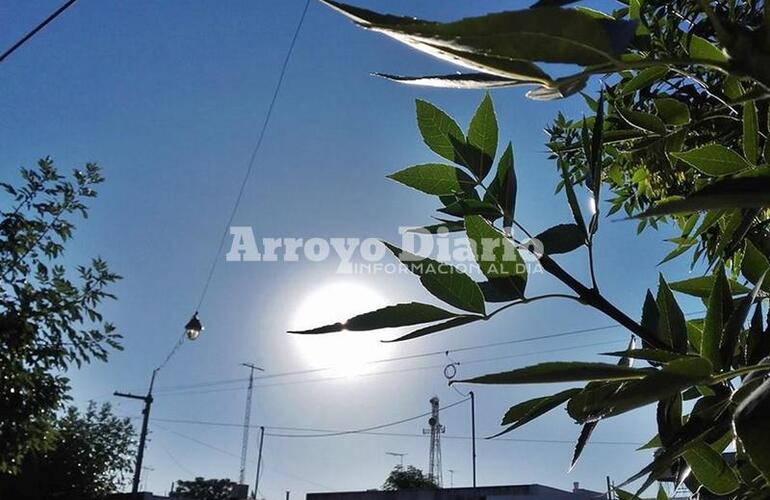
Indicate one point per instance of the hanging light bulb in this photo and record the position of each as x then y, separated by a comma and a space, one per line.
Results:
193, 328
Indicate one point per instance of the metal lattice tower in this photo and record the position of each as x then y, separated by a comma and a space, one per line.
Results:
246, 422
435, 431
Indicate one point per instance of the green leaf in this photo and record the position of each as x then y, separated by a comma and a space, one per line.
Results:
443, 281
560, 371
643, 79
754, 265
750, 137
647, 354
585, 435
700, 48
563, 238
732, 192
465, 207
503, 188
427, 330
750, 423
434, 178
643, 121
719, 309
571, 198
711, 470
395, 316
714, 159
702, 285
662, 495
464, 81
547, 34
672, 327
672, 111
525, 412
671, 379
437, 128
482, 133
496, 255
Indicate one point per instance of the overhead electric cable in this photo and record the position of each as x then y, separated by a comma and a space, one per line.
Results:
254, 153
386, 372
392, 434
13, 48
472, 347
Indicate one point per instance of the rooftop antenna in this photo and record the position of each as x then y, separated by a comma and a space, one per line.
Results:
246, 421
400, 456
435, 431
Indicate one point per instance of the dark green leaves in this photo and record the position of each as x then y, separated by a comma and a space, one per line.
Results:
505, 45
738, 192
563, 238
482, 134
434, 178
503, 188
525, 412
750, 422
750, 136
720, 306
702, 285
497, 256
672, 328
412, 313
443, 281
711, 470
438, 129
672, 111
671, 379
560, 372
714, 159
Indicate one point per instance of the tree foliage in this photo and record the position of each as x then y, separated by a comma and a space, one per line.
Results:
90, 456
204, 489
408, 478
679, 135
49, 318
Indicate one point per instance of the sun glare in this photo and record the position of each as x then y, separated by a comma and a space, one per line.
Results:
344, 353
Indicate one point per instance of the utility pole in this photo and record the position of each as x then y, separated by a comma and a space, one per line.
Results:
473, 434
259, 460
610, 496
143, 435
246, 421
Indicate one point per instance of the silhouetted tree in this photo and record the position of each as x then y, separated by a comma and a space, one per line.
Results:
409, 478
204, 489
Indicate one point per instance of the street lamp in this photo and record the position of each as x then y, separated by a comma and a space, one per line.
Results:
193, 328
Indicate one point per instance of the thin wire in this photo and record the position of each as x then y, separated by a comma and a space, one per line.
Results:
37, 28
253, 157
400, 434
403, 358
318, 432
401, 370
366, 429
226, 452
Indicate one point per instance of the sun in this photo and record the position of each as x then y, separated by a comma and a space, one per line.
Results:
344, 353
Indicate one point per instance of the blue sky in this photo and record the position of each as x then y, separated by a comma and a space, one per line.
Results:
168, 98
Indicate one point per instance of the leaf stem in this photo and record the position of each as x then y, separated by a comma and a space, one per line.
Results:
534, 299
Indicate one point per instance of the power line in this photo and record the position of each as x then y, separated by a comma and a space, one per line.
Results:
399, 358
233, 455
253, 157
35, 30
400, 434
473, 347
387, 372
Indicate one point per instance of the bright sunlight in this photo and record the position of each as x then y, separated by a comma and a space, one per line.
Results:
344, 353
